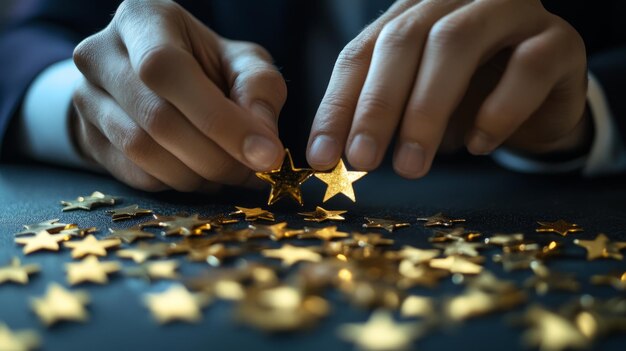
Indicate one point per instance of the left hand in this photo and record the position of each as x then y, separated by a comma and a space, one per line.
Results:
443, 73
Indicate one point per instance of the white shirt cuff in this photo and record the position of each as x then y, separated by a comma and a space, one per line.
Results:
607, 154
44, 118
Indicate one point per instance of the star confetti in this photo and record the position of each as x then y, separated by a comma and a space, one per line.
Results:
551, 332
129, 235
321, 215
286, 180
15, 272
128, 212
252, 214
560, 227
179, 225
326, 233
339, 181
176, 304
386, 224
51, 226
87, 203
602, 247
40, 241
380, 332
91, 246
90, 270
144, 251
291, 255
156, 270
615, 279
23, 340
59, 304
439, 220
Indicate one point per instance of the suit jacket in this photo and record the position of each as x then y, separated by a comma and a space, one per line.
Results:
42, 32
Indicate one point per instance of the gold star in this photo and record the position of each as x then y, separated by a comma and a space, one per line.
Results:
478, 302
369, 240
286, 180
386, 224
321, 215
91, 246
454, 234
90, 270
179, 225
96, 199
128, 212
290, 254
419, 274
76, 232
240, 235
615, 279
561, 227
155, 270
460, 248
544, 280
326, 233
417, 306
18, 341
412, 254
551, 332
129, 235
60, 305
144, 251
16, 273
456, 264
176, 304
52, 226
252, 214
339, 180
40, 241
439, 220
221, 220
213, 254
275, 232
602, 247
505, 239
380, 332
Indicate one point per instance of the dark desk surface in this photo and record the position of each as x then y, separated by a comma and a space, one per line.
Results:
490, 199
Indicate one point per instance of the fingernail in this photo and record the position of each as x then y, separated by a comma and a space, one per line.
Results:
362, 152
324, 150
479, 143
260, 152
410, 159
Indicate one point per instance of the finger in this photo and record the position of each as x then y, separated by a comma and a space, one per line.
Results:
112, 71
334, 116
254, 82
532, 72
105, 114
98, 146
164, 62
456, 46
389, 82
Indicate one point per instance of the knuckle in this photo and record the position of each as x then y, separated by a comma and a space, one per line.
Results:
534, 59
136, 144
374, 104
151, 63
356, 54
451, 31
400, 33
84, 55
155, 114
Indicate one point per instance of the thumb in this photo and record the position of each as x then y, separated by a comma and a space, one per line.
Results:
254, 83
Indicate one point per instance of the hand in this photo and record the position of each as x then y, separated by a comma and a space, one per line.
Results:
168, 103
449, 72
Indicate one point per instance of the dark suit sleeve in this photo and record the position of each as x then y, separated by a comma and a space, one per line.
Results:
38, 34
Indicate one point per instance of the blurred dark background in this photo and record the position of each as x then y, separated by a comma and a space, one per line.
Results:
4, 6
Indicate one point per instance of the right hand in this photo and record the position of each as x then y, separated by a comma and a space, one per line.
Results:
168, 103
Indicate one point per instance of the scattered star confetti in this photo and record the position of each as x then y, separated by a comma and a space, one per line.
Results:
321, 215
91, 246
286, 180
15, 272
380, 332
175, 304
339, 181
252, 214
59, 304
602, 247
144, 251
87, 203
560, 227
90, 270
129, 235
179, 225
439, 220
51, 226
128, 212
386, 224
291, 255
40, 241
22, 340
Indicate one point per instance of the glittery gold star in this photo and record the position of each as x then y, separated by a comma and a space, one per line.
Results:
561, 227
52, 226
439, 220
176, 304
461, 248
155, 270
552, 332
90, 270
602, 247
456, 264
128, 212
97, 199
417, 306
369, 240
413, 254
17, 273
252, 214
77, 232
129, 235
24, 340
40, 241
339, 181
326, 233
386, 224
144, 251
477, 302
275, 232
321, 215
286, 180
454, 234
60, 304
380, 332
91, 246
290, 254
179, 225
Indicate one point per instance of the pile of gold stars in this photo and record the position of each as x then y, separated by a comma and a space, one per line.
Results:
279, 276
